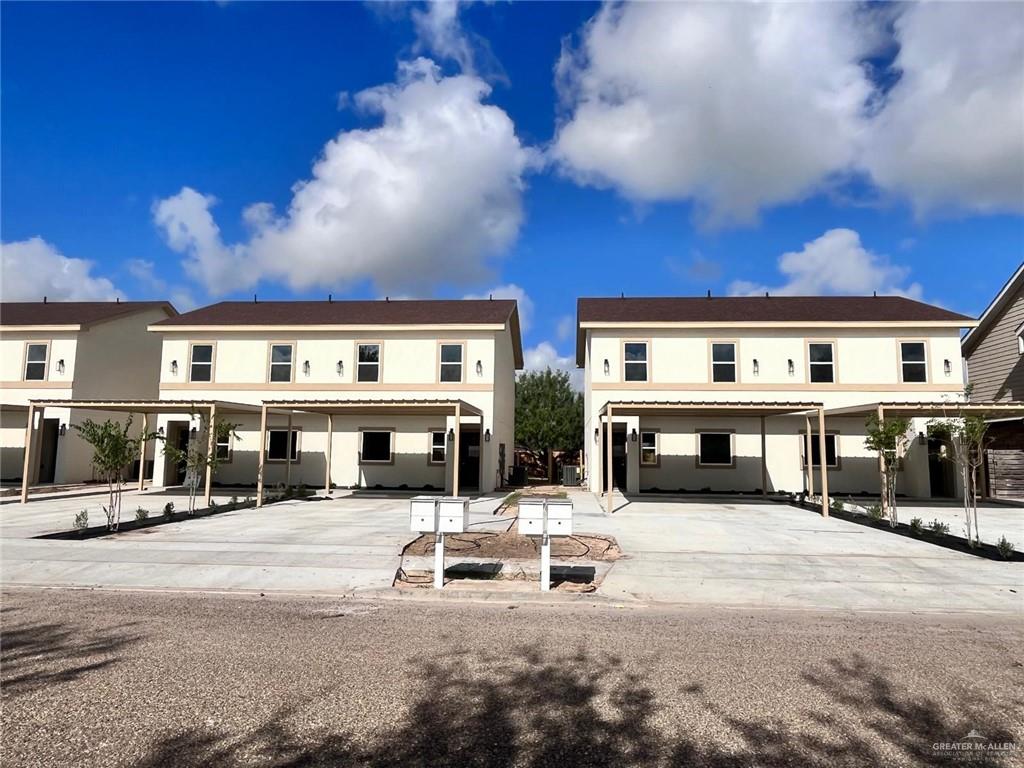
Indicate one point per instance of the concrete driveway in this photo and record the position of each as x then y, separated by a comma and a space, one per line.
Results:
340, 545
775, 555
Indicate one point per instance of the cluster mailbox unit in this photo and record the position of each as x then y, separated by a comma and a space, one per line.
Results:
539, 516
439, 515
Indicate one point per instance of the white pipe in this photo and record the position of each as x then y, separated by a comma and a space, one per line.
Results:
439, 561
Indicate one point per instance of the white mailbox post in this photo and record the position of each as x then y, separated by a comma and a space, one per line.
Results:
539, 516
439, 515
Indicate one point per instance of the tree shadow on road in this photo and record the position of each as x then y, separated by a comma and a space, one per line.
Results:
535, 708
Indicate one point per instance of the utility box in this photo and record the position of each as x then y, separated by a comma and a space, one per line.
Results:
423, 511
531, 516
559, 517
570, 475
453, 514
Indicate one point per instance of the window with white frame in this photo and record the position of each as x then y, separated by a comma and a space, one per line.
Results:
451, 362
913, 362
224, 447
714, 449
648, 449
200, 367
35, 361
821, 358
438, 446
368, 363
723, 361
635, 366
831, 451
375, 446
281, 356
278, 445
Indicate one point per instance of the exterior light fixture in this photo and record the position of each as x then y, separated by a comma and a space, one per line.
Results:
757, 367
174, 367
451, 435
193, 432
607, 367
921, 439
60, 366
305, 368
159, 430
597, 434
340, 367
63, 430
790, 365
632, 435
479, 368
947, 366
487, 435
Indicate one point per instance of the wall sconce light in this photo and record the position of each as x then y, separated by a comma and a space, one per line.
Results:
757, 368
597, 434
159, 430
305, 368
487, 435
60, 366
451, 435
63, 430
479, 368
921, 439
607, 367
947, 366
174, 367
193, 433
340, 368
790, 366
632, 435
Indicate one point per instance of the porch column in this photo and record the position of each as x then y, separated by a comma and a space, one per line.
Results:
823, 462
455, 450
330, 441
288, 455
808, 460
764, 464
262, 458
27, 460
211, 446
883, 502
608, 468
142, 452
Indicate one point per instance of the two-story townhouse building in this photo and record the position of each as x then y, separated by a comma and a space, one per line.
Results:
994, 352
728, 394
400, 394
65, 350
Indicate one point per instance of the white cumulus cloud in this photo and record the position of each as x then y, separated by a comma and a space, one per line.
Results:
31, 269
510, 291
544, 356
433, 194
835, 263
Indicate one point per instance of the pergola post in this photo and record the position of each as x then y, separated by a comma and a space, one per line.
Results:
27, 461
262, 457
808, 457
823, 463
142, 452
288, 455
608, 469
211, 446
455, 450
330, 441
764, 462
882, 473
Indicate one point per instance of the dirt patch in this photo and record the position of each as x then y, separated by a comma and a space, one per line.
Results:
509, 545
511, 505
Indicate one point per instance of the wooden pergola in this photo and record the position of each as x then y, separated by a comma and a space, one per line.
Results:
761, 409
143, 407
331, 408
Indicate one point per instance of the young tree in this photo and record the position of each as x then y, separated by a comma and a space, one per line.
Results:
890, 438
196, 457
967, 438
112, 452
549, 413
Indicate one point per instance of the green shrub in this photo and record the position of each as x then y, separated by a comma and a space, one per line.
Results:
916, 526
249, 501
82, 520
1005, 548
213, 504
837, 505
141, 514
169, 510
938, 527
875, 511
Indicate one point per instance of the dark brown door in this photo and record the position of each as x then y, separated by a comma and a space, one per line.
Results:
618, 457
48, 450
469, 460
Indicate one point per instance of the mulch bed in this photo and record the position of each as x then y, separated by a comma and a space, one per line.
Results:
509, 545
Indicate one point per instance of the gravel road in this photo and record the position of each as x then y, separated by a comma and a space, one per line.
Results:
158, 679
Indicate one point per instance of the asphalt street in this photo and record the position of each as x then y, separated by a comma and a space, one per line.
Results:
101, 678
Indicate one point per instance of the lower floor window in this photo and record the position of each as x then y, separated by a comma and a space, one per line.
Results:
277, 445
438, 444
831, 455
376, 446
648, 449
715, 448
224, 448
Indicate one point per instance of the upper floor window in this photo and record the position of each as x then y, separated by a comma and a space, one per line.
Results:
821, 356
635, 356
200, 367
281, 362
451, 362
913, 362
368, 363
723, 361
35, 361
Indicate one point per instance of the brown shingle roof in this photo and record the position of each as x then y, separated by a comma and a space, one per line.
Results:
82, 313
757, 309
397, 312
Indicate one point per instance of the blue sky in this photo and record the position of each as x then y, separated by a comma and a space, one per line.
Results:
540, 150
